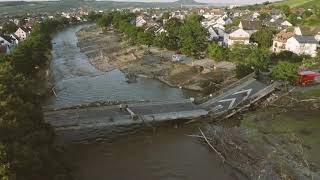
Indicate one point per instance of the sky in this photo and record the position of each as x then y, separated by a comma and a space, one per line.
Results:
203, 1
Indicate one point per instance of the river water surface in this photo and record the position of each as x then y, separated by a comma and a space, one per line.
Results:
166, 155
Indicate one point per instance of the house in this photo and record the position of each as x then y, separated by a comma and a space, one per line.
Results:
140, 21
6, 43
239, 36
224, 21
250, 26
317, 37
286, 24
242, 34
255, 15
302, 45
216, 33
15, 38
22, 33
3, 49
213, 33
178, 14
280, 40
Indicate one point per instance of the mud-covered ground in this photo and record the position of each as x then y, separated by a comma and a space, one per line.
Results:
109, 50
280, 141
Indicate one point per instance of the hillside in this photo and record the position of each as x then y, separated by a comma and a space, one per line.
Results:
42, 6
299, 3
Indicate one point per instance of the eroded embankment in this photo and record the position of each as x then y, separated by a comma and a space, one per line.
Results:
277, 142
109, 50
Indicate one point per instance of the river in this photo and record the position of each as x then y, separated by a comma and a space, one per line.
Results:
167, 154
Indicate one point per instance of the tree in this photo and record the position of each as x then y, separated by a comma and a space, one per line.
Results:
145, 38
293, 19
285, 71
166, 15
264, 16
258, 59
173, 27
243, 70
161, 40
217, 52
193, 36
93, 16
263, 37
105, 20
9, 27
286, 10
239, 52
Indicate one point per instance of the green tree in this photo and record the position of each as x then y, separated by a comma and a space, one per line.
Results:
193, 36
145, 38
173, 27
263, 37
217, 52
9, 27
166, 15
286, 10
105, 20
285, 71
239, 52
264, 16
243, 70
258, 59
161, 40
293, 19
93, 16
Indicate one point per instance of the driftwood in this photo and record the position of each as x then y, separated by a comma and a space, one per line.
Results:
211, 146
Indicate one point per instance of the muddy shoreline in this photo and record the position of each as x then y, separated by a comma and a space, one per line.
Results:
109, 50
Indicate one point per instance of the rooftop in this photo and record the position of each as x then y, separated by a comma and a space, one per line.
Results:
306, 39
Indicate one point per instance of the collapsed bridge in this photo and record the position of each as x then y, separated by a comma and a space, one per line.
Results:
74, 120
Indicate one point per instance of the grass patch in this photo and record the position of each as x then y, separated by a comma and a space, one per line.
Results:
300, 119
294, 3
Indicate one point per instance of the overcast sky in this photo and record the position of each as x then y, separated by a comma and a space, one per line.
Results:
204, 1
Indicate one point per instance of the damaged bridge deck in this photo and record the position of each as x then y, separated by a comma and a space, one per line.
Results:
111, 116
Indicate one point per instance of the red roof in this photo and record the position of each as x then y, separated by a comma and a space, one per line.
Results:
309, 73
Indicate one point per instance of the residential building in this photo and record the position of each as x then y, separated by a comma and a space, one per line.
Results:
280, 40
140, 21
300, 45
238, 36
22, 33
286, 24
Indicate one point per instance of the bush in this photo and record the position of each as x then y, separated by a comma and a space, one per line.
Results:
243, 70
217, 52
285, 71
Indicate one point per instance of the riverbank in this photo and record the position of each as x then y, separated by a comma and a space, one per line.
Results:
277, 142
109, 50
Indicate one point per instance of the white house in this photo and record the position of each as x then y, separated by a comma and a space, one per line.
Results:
317, 37
22, 33
250, 26
302, 45
213, 34
224, 21
140, 21
255, 15
286, 24
6, 43
15, 38
238, 36
280, 41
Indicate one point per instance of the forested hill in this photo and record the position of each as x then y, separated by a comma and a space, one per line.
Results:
299, 3
62, 5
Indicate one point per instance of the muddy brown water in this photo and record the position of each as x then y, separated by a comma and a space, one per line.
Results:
167, 154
